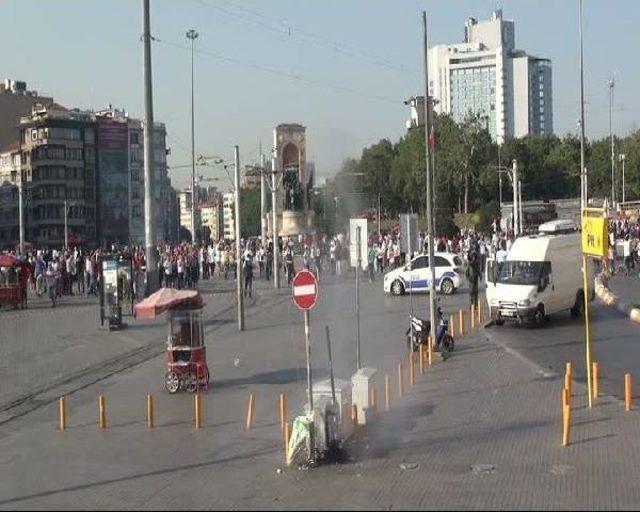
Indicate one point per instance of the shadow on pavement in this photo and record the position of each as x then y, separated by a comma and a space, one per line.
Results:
159, 472
279, 377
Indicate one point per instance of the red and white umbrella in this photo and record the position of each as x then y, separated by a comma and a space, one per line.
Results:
166, 299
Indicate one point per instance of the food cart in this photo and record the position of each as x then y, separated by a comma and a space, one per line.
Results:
187, 368
14, 276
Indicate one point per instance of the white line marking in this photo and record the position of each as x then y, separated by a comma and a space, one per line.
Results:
307, 289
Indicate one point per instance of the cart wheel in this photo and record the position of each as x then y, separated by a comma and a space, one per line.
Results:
172, 382
204, 380
190, 382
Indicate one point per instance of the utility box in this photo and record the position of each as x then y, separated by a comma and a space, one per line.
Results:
362, 383
322, 389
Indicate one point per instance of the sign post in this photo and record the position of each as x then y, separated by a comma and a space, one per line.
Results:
305, 295
595, 241
359, 237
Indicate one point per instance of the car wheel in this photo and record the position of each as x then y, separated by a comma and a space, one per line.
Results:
397, 288
190, 382
539, 317
578, 308
447, 287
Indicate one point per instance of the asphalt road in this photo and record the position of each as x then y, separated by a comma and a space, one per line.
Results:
615, 345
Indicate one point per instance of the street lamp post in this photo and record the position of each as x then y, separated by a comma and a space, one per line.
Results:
150, 238
613, 175
192, 35
583, 171
21, 211
622, 157
428, 172
274, 219
66, 227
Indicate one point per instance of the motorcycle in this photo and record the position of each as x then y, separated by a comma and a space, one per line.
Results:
418, 333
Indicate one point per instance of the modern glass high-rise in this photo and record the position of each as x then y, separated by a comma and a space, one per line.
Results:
486, 75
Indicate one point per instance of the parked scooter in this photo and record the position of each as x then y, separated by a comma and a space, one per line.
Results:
418, 333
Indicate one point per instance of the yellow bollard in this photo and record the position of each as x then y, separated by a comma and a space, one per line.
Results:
568, 369
566, 400
472, 315
627, 392
430, 350
149, 411
479, 313
373, 404
197, 409
452, 326
461, 326
411, 369
400, 381
102, 417
286, 434
568, 383
421, 358
596, 375
250, 407
566, 424
62, 406
387, 392
283, 412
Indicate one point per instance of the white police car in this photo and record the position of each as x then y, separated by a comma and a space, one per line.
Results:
449, 275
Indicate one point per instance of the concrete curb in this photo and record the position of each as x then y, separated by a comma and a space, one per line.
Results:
611, 299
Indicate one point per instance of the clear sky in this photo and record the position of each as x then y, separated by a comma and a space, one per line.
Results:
340, 67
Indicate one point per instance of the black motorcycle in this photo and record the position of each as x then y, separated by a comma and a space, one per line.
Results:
418, 333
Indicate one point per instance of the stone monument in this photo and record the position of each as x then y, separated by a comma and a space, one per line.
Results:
294, 192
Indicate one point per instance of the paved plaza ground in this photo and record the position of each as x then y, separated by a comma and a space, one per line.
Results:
480, 430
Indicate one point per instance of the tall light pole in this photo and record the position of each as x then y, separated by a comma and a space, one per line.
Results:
263, 201
274, 204
192, 35
427, 125
613, 166
238, 246
622, 157
149, 197
66, 226
516, 216
584, 201
21, 211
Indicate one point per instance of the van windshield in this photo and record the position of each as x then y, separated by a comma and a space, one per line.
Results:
521, 272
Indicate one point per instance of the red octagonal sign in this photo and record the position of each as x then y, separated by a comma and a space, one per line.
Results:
305, 289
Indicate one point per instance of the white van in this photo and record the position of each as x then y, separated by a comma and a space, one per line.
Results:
542, 275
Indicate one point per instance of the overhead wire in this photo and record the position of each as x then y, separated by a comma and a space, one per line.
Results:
282, 28
277, 72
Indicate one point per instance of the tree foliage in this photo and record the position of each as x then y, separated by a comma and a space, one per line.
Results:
466, 177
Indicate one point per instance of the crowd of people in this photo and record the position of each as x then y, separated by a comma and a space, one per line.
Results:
76, 271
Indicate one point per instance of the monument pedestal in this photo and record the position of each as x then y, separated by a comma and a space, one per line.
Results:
290, 223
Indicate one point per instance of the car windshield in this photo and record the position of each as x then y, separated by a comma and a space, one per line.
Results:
520, 272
